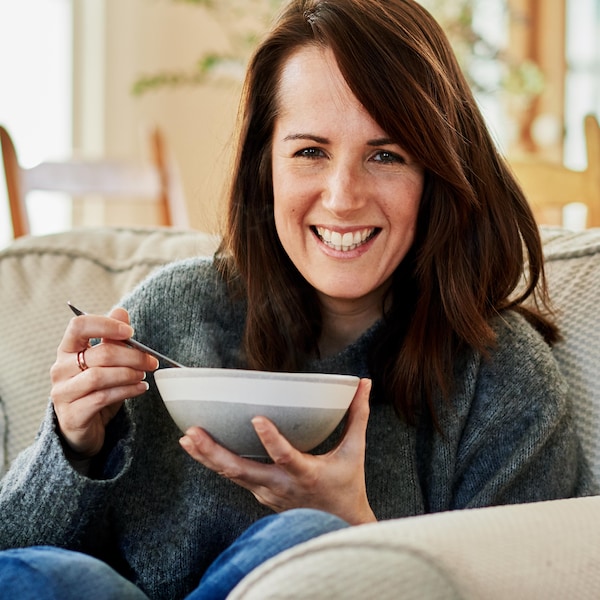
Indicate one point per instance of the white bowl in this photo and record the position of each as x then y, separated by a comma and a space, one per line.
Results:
305, 407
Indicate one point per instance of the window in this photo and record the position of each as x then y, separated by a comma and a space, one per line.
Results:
35, 62
582, 85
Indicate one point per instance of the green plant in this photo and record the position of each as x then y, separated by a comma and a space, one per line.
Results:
485, 59
242, 21
488, 65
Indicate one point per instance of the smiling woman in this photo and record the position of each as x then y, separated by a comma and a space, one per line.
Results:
373, 230
345, 196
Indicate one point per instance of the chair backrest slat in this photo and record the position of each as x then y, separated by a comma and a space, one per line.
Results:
156, 181
550, 186
110, 178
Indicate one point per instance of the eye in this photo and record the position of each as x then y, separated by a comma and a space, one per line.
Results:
387, 157
310, 153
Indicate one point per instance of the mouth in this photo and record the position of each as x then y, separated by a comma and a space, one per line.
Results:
345, 242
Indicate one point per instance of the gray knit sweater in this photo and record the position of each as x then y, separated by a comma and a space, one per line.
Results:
160, 518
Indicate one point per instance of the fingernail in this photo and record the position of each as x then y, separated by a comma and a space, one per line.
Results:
125, 330
192, 435
259, 424
185, 442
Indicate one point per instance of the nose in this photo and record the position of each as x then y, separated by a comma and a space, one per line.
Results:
344, 190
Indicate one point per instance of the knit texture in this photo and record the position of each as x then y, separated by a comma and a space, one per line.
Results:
160, 518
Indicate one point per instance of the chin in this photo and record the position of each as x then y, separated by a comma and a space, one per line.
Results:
342, 293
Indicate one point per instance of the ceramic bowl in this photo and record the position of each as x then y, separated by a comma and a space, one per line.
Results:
305, 407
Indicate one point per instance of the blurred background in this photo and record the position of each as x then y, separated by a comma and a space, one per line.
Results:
90, 77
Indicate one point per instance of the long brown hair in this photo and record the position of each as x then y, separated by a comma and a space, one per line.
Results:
476, 237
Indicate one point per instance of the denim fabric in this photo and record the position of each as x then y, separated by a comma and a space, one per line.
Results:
266, 538
46, 573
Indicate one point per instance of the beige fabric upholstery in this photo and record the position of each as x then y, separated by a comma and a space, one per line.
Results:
573, 269
542, 551
91, 267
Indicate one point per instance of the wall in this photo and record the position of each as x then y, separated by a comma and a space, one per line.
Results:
118, 40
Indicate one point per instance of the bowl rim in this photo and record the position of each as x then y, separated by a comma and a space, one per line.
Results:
220, 372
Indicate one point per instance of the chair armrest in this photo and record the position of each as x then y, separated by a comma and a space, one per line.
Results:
534, 551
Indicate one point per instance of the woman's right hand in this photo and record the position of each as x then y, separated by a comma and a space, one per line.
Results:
333, 482
89, 384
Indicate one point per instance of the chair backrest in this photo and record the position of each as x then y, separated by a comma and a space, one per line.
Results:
156, 180
549, 187
573, 271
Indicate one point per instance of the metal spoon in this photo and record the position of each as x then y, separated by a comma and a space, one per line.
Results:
135, 344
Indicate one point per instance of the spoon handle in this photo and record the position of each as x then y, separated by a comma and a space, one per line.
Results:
135, 344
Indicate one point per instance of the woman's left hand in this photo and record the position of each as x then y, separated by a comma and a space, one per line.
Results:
333, 482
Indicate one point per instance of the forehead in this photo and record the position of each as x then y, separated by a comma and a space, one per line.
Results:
311, 86
312, 70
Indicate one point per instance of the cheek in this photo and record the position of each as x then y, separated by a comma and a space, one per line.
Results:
288, 205
279, 221
284, 213
401, 204
413, 194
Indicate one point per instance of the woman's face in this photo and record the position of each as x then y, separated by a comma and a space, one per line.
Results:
346, 196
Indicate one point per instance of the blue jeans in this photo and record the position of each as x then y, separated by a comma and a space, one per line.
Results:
46, 573
266, 538
56, 574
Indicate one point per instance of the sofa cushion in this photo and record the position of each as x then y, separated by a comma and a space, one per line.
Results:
534, 551
91, 267
573, 270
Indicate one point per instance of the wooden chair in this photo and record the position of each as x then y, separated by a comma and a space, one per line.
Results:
550, 187
156, 180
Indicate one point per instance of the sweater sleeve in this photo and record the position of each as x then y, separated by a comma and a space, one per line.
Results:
44, 500
519, 442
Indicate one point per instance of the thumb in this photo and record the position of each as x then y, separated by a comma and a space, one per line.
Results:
358, 415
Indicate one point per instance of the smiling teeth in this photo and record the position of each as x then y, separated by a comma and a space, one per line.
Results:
347, 241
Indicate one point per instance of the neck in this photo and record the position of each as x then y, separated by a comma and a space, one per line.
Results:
344, 321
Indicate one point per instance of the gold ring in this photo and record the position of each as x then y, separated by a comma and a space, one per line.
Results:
81, 360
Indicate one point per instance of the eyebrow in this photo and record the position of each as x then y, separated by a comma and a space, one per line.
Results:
306, 136
384, 141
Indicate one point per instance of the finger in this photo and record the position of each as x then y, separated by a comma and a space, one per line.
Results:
122, 315
278, 447
76, 409
97, 379
77, 413
358, 418
84, 327
110, 354
105, 354
204, 449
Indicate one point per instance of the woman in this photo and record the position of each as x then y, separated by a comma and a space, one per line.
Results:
373, 229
